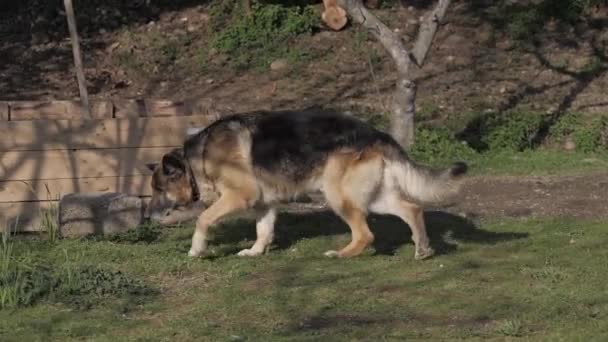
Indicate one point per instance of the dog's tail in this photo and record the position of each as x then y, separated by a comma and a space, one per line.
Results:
427, 186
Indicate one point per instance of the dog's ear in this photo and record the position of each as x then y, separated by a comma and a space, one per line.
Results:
173, 165
152, 166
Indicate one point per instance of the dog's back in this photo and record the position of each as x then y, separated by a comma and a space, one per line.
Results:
290, 149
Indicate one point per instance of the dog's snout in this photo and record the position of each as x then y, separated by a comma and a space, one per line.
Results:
159, 215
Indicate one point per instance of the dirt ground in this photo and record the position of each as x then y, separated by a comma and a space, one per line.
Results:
473, 66
580, 196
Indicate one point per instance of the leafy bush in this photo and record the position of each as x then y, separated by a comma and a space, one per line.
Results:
514, 131
257, 39
438, 145
588, 136
593, 137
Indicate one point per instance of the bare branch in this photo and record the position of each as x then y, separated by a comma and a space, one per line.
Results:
387, 38
427, 31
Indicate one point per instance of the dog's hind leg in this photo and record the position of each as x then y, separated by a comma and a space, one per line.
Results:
410, 213
229, 202
350, 183
361, 235
265, 233
413, 215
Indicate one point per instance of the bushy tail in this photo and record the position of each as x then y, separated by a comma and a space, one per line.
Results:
430, 187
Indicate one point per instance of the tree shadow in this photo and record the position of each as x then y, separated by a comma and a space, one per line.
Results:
114, 159
537, 30
33, 32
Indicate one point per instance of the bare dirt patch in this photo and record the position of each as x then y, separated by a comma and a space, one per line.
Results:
581, 196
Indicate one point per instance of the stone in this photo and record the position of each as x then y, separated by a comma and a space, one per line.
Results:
98, 213
278, 64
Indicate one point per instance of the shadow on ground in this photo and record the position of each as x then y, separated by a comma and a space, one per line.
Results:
444, 230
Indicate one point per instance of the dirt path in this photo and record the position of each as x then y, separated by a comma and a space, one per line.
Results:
584, 196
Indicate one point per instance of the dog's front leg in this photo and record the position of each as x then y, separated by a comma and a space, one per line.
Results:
229, 202
265, 233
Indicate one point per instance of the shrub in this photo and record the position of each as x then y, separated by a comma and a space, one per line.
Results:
257, 39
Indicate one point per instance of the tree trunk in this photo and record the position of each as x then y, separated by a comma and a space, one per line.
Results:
404, 99
82, 88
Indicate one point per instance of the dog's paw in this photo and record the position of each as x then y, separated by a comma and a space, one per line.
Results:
332, 254
424, 253
194, 253
249, 252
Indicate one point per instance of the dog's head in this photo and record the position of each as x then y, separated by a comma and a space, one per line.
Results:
173, 185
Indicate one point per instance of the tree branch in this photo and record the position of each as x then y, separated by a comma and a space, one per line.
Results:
391, 42
427, 30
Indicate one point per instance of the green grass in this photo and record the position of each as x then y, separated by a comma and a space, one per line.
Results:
524, 163
499, 145
535, 279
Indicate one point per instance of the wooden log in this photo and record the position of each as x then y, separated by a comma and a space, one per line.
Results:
41, 165
333, 15
111, 133
57, 110
53, 189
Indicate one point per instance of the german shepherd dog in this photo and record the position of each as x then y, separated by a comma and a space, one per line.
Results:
257, 160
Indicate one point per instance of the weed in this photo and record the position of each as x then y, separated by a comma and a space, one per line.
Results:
6, 251
510, 327
9, 280
146, 233
91, 286
166, 50
23, 285
49, 217
360, 38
